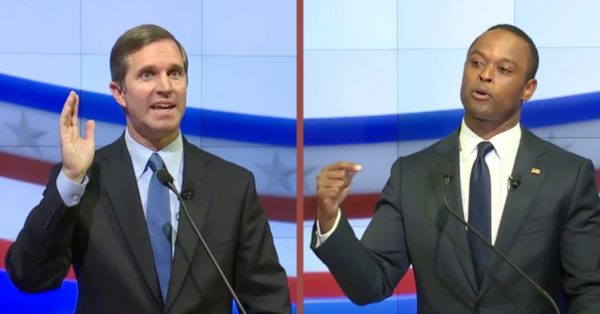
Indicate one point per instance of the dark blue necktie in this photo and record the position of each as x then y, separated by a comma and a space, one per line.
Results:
158, 216
480, 196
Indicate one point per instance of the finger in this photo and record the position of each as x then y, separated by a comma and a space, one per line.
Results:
90, 126
65, 114
343, 165
341, 178
75, 116
331, 192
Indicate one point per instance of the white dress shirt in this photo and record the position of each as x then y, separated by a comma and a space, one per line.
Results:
500, 162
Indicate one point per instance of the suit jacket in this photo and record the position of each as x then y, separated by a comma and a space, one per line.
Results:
106, 240
550, 228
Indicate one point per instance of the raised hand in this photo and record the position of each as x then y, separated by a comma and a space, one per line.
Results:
77, 153
333, 185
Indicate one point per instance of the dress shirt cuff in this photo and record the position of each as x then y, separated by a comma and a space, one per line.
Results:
321, 238
70, 192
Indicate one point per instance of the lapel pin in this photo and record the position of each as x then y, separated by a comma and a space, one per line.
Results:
536, 171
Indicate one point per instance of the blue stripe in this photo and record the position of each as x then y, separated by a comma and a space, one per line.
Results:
318, 131
398, 304
196, 122
61, 301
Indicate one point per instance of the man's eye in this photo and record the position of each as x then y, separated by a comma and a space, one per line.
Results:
476, 63
504, 70
146, 75
175, 73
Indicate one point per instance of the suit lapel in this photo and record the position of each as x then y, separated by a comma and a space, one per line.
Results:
519, 200
448, 150
198, 177
121, 188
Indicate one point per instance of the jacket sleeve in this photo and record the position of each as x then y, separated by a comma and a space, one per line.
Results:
40, 257
368, 270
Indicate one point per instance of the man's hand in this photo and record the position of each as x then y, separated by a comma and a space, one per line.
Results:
77, 153
333, 185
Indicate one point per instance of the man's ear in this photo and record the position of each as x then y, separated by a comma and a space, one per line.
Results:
118, 93
530, 87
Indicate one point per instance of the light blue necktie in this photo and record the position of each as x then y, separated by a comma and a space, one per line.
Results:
480, 213
158, 217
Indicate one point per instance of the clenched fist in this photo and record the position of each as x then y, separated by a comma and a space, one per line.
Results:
333, 185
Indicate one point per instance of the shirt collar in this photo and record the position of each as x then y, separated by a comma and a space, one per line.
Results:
505, 144
171, 155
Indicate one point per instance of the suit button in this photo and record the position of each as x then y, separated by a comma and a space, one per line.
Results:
479, 307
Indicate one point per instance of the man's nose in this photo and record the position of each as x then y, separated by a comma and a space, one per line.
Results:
486, 74
164, 84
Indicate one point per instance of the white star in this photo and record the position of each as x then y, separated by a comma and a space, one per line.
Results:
27, 136
278, 174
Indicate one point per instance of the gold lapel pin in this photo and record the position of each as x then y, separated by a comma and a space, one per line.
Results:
536, 171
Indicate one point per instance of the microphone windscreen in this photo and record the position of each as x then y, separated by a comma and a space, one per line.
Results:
164, 177
449, 171
515, 180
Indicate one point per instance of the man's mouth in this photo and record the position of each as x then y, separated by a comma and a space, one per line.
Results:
481, 94
162, 106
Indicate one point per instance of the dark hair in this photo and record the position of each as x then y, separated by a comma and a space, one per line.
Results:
534, 58
134, 40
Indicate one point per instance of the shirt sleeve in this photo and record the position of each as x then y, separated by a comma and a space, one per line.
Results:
321, 238
70, 192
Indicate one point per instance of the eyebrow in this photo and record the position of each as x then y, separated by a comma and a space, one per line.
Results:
511, 61
153, 68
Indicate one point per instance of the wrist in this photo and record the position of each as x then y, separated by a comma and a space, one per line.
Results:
326, 220
75, 177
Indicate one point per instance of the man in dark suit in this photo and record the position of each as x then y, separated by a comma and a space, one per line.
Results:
98, 209
541, 206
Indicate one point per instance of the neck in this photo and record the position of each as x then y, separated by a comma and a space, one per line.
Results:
487, 129
154, 143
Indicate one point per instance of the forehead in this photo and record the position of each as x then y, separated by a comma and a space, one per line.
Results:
503, 44
158, 53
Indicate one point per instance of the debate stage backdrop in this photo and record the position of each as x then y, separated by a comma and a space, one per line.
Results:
381, 79
241, 101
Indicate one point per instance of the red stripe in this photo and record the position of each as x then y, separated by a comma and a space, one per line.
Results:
277, 208
355, 206
323, 285
3, 249
24, 168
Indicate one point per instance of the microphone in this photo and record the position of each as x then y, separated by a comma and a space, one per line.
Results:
166, 179
515, 180
187, 194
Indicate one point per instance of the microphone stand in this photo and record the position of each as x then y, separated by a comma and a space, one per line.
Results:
447, 179
167, 180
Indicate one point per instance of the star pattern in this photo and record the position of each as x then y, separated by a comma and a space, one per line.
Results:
27, 135
278, 173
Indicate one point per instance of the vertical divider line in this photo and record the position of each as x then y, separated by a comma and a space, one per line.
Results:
299, 156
